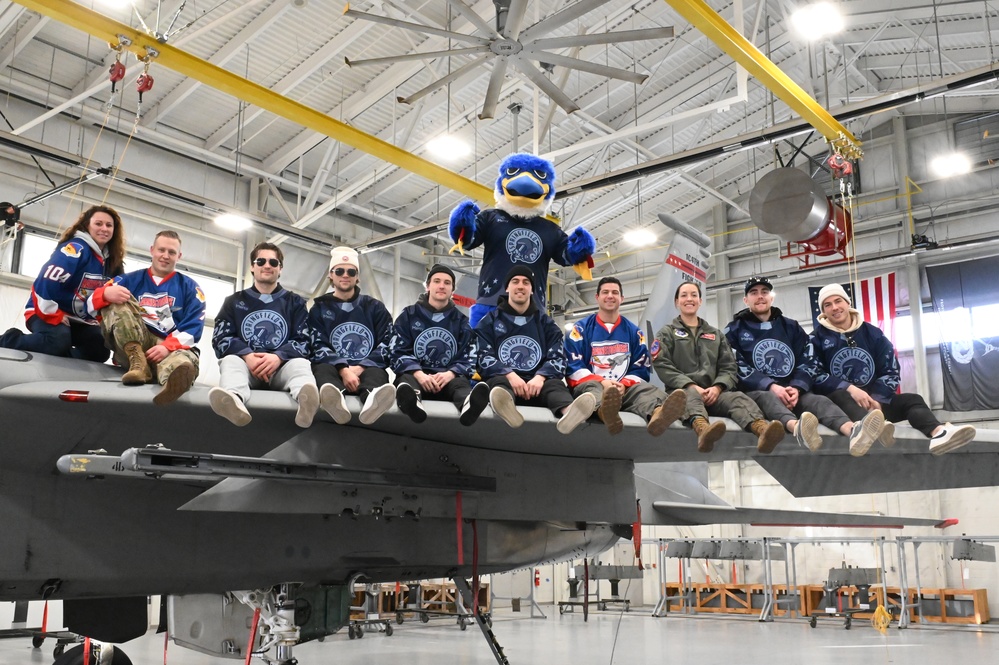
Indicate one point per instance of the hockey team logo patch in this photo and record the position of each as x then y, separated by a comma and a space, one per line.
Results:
523, 246
774, 358
70, 250
520, 352
264, 329
436, 347
854, 365
352, 340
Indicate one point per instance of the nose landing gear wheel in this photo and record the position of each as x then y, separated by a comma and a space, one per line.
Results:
75, 657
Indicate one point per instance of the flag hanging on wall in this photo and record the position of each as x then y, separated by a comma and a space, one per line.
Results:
873, 297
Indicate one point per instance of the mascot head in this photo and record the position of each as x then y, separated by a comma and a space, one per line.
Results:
526, 185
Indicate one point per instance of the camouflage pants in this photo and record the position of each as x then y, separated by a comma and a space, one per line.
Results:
123, 323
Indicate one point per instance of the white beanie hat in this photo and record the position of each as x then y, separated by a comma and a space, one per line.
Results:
343, 256
830, 290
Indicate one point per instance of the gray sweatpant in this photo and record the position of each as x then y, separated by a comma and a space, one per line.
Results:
820, 406
730, 404
234, 375
641, 399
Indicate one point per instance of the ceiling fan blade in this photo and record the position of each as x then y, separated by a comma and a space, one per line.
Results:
493, 90
415, 27
473, 18
558, 19
443, 81
427, 55
586, 66
603, 38
515, 19
549, 88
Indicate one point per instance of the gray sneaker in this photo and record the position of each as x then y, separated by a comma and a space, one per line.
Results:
379, 401
331, 399
228, 405
866, 432
951, 438
308, 404
576, 413
503, 405
806, 432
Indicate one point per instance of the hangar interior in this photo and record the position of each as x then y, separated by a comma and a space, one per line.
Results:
920, 73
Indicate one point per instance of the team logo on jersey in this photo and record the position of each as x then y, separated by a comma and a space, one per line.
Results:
680, 333
436, 347
520, 352
70, 250
746, 336
352, 340
854, 365
655, 349
264, 329
159, 310
828, 343
610, 359
576, 334
199, 293
774, 358
523, 246
641, 338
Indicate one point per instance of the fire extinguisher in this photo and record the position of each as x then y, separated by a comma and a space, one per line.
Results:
537, 577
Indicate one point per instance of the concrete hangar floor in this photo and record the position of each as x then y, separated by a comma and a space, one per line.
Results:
607, 638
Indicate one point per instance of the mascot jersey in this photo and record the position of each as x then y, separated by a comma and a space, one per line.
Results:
175, 307
863, 357
595, 353
350, 332
509, 240
432, 341
775, 351
251, 321
70, 285
528, 344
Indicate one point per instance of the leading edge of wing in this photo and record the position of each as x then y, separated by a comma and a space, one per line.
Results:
691, 514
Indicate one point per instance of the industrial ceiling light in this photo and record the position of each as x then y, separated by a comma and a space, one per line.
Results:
640, 237
817, 20
952, 164
449, 147
233, 222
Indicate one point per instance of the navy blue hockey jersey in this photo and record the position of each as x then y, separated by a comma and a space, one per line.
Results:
864, 358
528, 344
775, 351
432, 341
350, 332
255, 322
175, 308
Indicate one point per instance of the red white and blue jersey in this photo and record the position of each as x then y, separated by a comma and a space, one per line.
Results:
67, 285
175, 306
596, 353
350, 332
431, 340
255, 322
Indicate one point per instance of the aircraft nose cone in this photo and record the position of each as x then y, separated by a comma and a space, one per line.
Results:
524, 185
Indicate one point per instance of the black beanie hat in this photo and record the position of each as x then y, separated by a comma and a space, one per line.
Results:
438, 267
519, 270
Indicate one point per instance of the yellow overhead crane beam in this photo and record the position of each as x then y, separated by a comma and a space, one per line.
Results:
721, 32
147, 46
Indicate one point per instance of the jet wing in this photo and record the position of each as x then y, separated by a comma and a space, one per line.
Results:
692, 514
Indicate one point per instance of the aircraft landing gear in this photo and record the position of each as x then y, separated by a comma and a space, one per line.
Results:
105, 654
277, 627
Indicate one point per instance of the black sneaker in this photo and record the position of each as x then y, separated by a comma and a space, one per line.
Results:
409, 402
475, 404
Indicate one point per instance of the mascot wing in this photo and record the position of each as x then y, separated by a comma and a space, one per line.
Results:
461, 225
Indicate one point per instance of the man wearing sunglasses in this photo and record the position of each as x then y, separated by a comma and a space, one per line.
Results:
262, 341
433, 353
860, 373
350, 337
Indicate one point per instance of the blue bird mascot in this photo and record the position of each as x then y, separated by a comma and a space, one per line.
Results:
518, 230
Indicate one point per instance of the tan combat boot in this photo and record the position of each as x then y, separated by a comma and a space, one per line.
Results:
609, 411
707, 433
138, 368
179, 382
770, 434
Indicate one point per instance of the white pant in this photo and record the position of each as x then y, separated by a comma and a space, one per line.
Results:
234, 375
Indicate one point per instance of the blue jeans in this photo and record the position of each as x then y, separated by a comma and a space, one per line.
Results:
77, 340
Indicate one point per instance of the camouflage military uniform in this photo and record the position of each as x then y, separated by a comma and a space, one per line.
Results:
122, 323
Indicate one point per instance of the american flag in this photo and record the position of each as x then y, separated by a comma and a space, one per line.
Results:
873, 297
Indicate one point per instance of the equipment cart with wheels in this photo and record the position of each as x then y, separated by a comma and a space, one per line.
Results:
365, 616
836, 605
596, 572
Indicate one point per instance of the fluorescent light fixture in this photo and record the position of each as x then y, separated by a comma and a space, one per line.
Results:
955, 163
449, 147
640, 237
817, 20
233, 222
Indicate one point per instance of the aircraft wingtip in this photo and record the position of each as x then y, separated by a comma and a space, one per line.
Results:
950, 521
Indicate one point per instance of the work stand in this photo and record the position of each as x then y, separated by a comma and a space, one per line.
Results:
481, 618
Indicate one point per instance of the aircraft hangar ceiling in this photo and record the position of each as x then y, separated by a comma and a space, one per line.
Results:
689, 95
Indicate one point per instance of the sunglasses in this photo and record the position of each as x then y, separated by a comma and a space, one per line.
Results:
351, 272
273, 263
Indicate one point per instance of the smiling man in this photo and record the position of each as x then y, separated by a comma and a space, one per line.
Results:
860, 374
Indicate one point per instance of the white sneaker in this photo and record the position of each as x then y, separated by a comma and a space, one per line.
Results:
581, 408
379, 401
308, 404
806, 432
228, 405
887, 437
866, 432
503, 405
951, 438
331, 399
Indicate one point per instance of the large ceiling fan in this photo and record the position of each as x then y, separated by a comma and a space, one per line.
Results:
507, 45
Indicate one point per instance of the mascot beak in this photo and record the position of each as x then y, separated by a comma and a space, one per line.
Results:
525, 189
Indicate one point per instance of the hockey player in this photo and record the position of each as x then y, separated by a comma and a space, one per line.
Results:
155, 331
350, 338
608, 358
694, 356
262, 341
522, 358
860, 374
777, 367
433, 353
61, 312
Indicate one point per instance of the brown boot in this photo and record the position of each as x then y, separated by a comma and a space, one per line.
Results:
707, 433
770, 434
609, 411
666, 413
179, 382
138, 369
